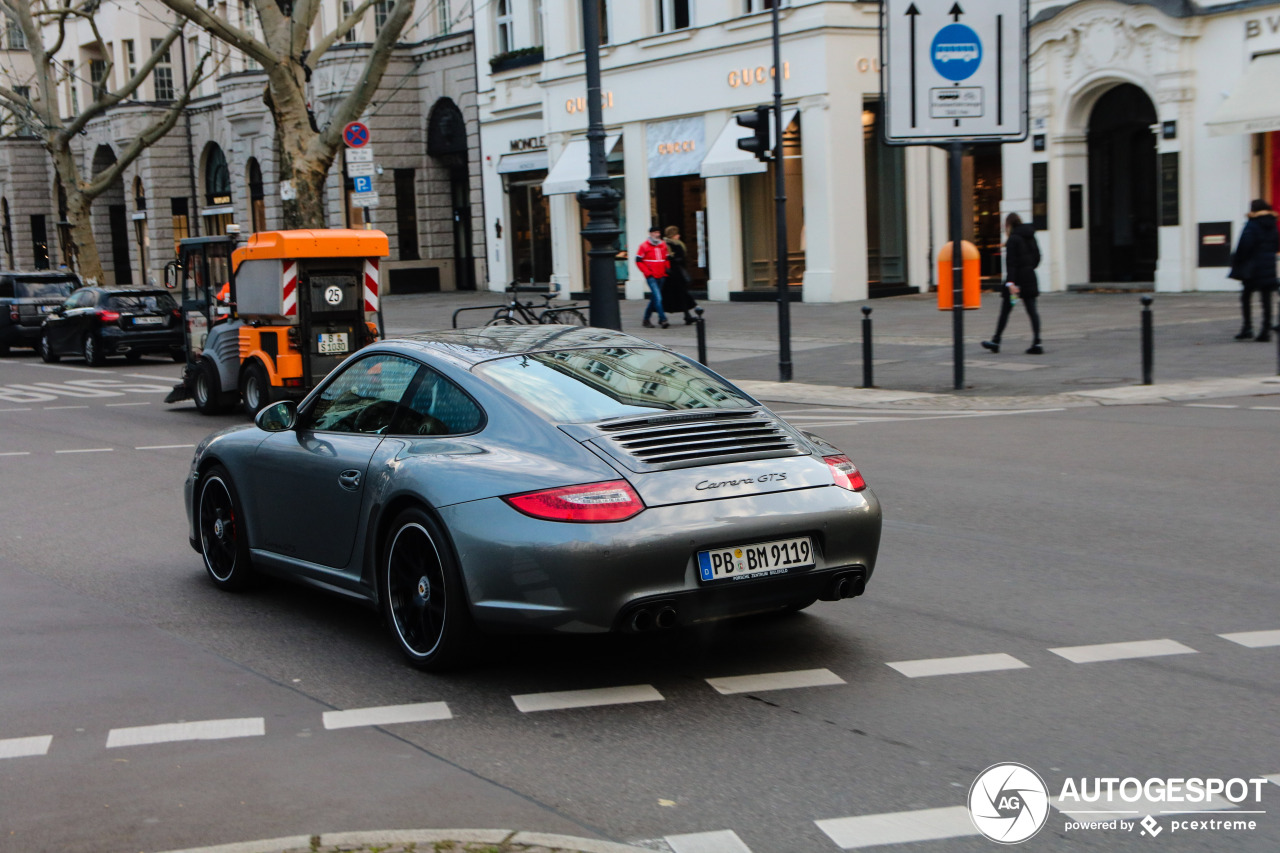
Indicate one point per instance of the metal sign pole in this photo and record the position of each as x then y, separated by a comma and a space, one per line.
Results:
955, 156
780, 215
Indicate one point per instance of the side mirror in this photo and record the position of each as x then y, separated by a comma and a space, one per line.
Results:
278, 417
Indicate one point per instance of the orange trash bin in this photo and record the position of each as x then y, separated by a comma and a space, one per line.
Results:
972, 281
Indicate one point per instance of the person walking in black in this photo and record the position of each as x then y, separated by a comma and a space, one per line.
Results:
1021, 257
1254, 266
675, 288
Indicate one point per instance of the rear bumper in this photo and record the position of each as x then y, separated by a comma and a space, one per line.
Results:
160, 340
18, 335
525, 574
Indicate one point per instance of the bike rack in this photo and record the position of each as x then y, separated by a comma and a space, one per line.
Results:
475, 308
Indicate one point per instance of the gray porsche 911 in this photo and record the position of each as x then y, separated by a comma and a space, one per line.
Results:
518, 478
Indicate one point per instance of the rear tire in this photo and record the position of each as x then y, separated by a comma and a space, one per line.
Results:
568, 317
47, 353
503, 318
206, 388
92, 351
221, 529
422, 594
255, 389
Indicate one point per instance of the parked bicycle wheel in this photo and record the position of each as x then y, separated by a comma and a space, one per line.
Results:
503, 317
564, 316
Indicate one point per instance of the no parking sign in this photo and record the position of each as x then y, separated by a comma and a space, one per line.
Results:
356, 134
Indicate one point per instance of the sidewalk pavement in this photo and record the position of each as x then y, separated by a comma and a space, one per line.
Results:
1092, 343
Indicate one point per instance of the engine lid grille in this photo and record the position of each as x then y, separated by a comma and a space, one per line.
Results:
679, 441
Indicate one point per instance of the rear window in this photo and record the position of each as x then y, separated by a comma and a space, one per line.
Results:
42, 289
582, 386
158, 301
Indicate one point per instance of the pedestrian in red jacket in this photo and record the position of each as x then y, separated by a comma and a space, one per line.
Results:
653, 260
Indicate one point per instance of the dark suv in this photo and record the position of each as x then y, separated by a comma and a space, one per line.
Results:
25, 299
95, 322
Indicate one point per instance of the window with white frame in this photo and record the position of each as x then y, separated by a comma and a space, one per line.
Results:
249, 21
537, 23
73, 88
130, 58
673, 15
762, 5
381, 11
506, 26
16, 39
603, 7
344, 11
162, 73
98, 77
444, 18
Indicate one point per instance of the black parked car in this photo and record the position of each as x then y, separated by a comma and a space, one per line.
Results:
95, 322
25, 299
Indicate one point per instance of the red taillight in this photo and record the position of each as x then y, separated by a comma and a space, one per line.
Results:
845, 473
108, 316
611, 501
14, 312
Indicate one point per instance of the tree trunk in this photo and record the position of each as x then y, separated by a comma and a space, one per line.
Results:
84, 248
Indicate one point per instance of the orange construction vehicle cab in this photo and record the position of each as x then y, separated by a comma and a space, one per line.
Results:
313, 243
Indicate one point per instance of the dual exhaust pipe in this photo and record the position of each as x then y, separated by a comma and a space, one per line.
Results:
654, 617
844, 585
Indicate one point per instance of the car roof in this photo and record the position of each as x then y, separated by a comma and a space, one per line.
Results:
472, 346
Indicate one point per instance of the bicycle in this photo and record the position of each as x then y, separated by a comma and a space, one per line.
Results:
516, 312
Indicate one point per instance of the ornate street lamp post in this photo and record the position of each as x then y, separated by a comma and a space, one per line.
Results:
600, 199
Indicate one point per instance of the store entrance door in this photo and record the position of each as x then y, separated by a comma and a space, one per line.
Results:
1123, 238
682, 201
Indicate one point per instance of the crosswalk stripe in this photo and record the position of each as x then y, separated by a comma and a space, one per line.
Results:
1123, 651
22, 747
852, 833
171, 732
532, 702
775, 681
1274, 780
1254, 639
724, 841
957, 665
387, 715
1209, 406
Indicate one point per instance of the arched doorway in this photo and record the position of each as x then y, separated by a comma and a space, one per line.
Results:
447, 143
117, 217
1123, 201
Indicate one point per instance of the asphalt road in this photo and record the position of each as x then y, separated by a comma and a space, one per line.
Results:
1008, 535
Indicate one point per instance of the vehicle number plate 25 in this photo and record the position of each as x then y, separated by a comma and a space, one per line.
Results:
761, 559
333, 343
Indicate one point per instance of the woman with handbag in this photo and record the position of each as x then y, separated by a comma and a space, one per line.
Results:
675, 289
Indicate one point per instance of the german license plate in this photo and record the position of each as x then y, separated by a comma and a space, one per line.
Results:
45, 309
147, 321
333, 343
760, 559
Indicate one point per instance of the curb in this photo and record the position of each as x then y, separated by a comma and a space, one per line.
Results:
459, 840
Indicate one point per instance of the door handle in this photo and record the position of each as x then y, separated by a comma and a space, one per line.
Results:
349, 480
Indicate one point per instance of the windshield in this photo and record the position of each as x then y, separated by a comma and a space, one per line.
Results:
587, 385
36, 289
141, 302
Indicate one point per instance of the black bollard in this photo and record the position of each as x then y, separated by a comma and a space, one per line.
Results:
1148, 340
866, 347
702, 337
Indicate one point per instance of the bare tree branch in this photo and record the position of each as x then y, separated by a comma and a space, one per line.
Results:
360, 95
342, 29
105, 100
225, 31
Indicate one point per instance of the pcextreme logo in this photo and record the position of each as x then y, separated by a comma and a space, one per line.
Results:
1009, 803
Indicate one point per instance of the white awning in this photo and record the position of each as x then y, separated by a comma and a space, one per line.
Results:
525, 161
218, 211
726, 158
570, 173
1254, 105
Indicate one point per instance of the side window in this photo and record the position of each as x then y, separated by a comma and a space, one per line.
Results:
365, 397
83, 299
438, 407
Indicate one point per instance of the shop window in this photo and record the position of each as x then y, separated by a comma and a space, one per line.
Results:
257, 197
530, 229
759, 217
181, 219
673, 15
885, 194
406, 215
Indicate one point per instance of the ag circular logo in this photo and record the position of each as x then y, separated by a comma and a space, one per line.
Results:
956, 52
333, 295
1009, 803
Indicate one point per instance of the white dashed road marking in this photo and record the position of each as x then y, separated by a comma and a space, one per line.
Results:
21, 747
88, 450
387, 715
1265, 408
1123, 651
1254, 639
1210, 406
775, 681
171, 732
60, 408
15, 410
17, 453
531, 702
852, 833
724, 841
164, 447
122, 405
957, 665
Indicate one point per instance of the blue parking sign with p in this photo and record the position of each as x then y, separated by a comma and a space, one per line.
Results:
956, 52
363, 184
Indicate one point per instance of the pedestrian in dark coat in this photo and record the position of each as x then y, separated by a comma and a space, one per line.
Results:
1254, 266
675, 289
1021, 257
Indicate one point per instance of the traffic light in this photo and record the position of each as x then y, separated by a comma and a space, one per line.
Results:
757, 144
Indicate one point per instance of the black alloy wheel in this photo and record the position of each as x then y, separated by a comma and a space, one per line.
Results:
566, 317
93, 351
47, 353
222, 535
206, 388
422, 595
255, 389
